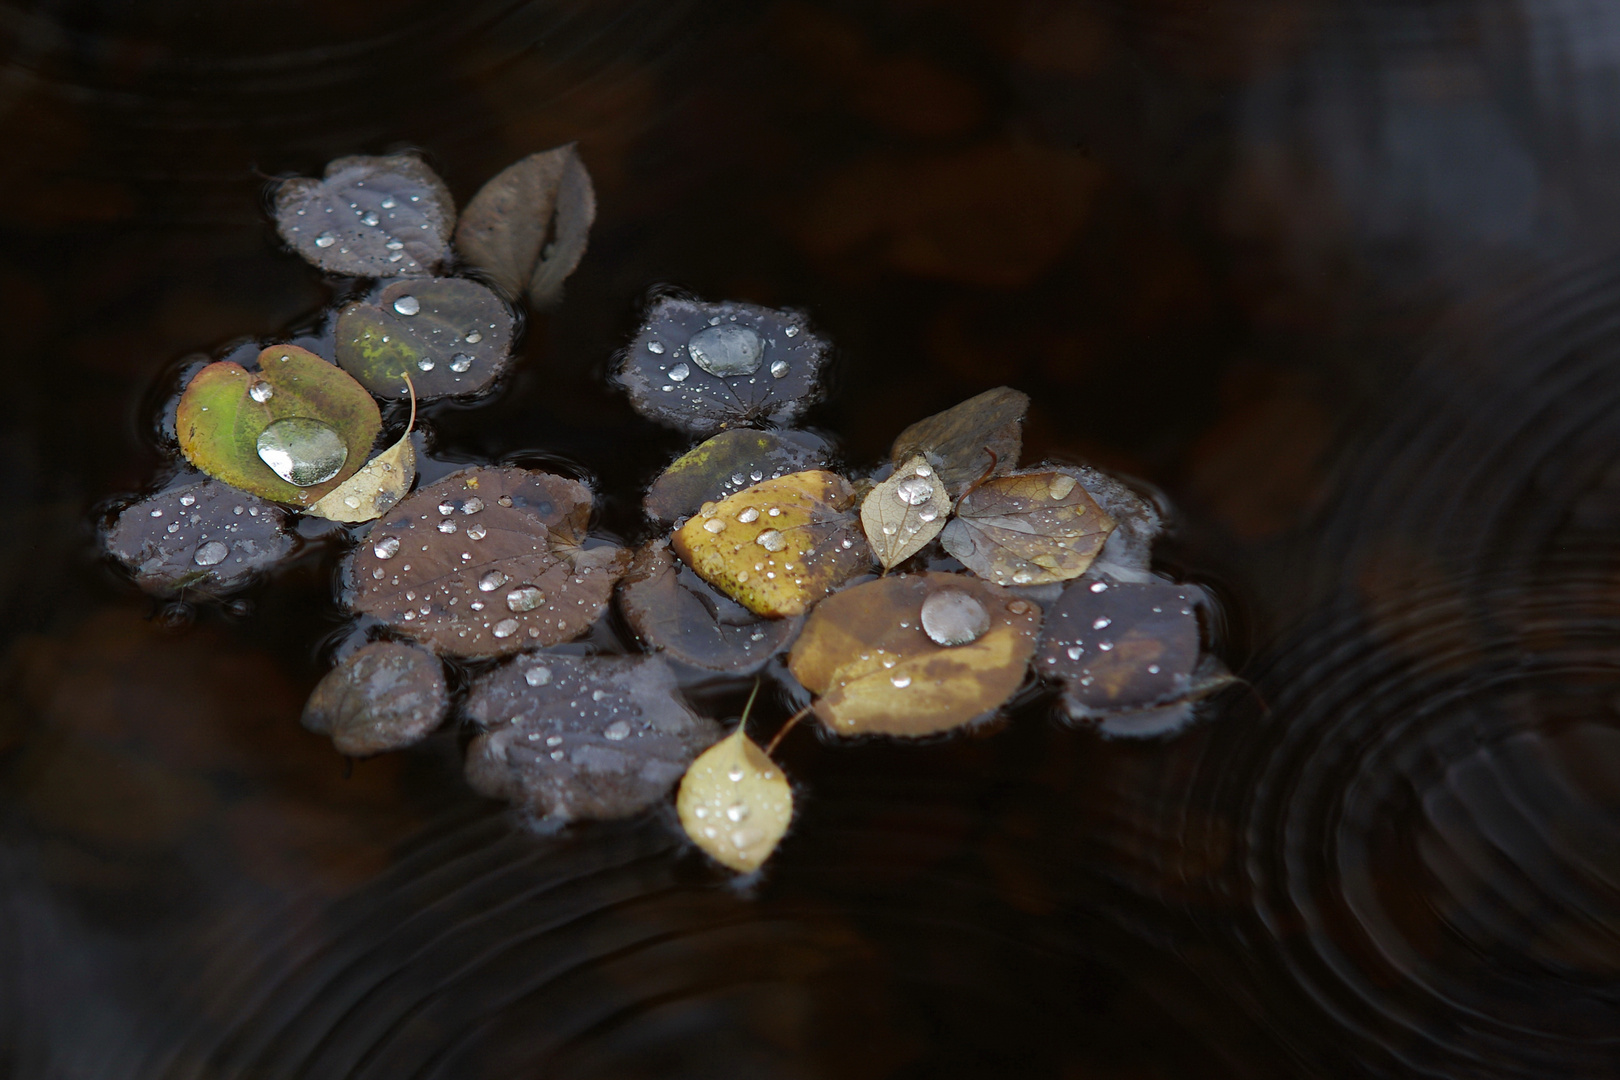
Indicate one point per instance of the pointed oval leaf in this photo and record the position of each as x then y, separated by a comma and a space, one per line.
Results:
486, 562
375, 489
569, 737
528, 226
904, 512
452, 336
779, 546
735, 803
204, 536
703, 367
225, 410
369, 217
871, 654
957, 439
386, 696
727, 463
671, 609
1029, 529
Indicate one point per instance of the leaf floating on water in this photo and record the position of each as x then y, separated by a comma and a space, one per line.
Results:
904, 512
291, 431
1029, 529
671, 609
452, 336
735, 803
369, 217
1128, 554
205, 536
703, 367
486, 562
957, 439
875, 656
386, 696
528, 226
779, 546
570, 737
379, 484
727, 463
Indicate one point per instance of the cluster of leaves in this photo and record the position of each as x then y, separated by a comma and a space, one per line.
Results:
909, 601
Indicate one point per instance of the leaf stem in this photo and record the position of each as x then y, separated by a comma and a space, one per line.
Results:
787, 727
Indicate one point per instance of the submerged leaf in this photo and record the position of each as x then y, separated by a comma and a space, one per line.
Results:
451, 336
875, 656
1029, 529
904, 512
702, 367
571, 737
527, 227
726, 464
369, 217
672, 609
291, 431
486, 562
779, 546
957, 439
735, 803
386, 696
206, 536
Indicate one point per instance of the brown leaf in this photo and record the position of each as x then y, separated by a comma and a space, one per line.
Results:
1030, 529
528, 226
368, 217
385, 696
726, 464
904, 512
672, 609
205, 536
956, 440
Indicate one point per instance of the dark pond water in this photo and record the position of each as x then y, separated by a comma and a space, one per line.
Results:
1342, 277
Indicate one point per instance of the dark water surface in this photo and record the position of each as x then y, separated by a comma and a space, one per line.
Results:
1342, 277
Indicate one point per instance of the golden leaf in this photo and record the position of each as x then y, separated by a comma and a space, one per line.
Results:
735, 803
380, 483
1029, 529
904, 512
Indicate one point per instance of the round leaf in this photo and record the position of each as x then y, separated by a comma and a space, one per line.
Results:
369, 217
726, 464
957, 440
452, 336
1030, 529
206, 536
904, 512
385, 696
527, 227
735, 803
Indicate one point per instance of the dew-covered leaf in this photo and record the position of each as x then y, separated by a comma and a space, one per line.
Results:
385, 696
779, 546
570, 737
703, 367
1128, 554
735, 803
727, 463
956, 440
486, 562
206, 536
452, 336
1029, 529
528, 226
369, 217
291, 431
914, 655
374, 490
904, 512
671, 609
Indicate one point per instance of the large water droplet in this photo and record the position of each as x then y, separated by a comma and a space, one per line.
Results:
407, 305
524, 598
779, 369
726, 350
953, 617
211, 553
302, 451
1061, 485
491, 581
914, 491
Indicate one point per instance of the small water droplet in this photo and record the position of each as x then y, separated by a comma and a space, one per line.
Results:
792, 331
539, 676
1101, 621
726, 350
261, 391
1105, 646
774, 511
473, 505
656, 347
477, 531
618, 731
460, 362
447, 526
714, 525
386, 548
325, 240
524, 598
187, 499
770, 540
389, 203
923, 470
1074, 652
407, 305
1061, 485
302, 451
211, 553
679, 373
369, 218
425, 364
737, 811
505, 628
1099, 586
1153, 669
352, 501
735, 774
779, 368
749, 514
1018, 607
474, 337
1022, 577
927, 514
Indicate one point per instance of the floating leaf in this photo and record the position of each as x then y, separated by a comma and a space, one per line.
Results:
369, 217
385, 696
1128, 554
486, 562
956, 440
670, 608
779, 546
571, 737
702, 367
291, 431
528, 226
726, 464
1030, 529
875, 653
450, 335
206, 535
735, 803
379, 484
904, 512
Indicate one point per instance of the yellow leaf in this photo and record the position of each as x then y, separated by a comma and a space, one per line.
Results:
373, 491
735, 803
904, 512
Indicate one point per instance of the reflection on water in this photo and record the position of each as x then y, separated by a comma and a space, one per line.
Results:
1341, 277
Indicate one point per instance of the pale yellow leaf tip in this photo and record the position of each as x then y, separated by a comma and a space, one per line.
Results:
735, 803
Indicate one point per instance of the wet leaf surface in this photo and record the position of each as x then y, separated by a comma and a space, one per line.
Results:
904, 512
1030, 529
703, 367
1128, 554
375, 489
368, 217
452, 336
779, 546
571, 737
229, 420
874, 656
735, 803
385, 696
528, 226
486, 562
955, 440
671, 609
727, 463
207, 536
